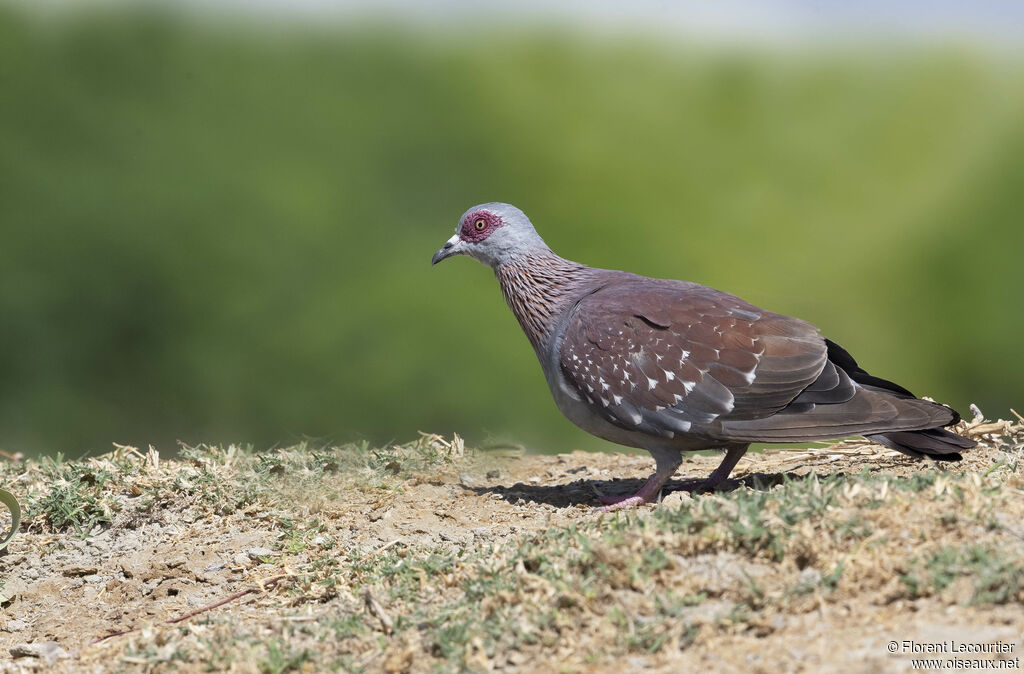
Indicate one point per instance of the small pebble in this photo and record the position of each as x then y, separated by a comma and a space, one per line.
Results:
256, 553
810, 576
48, 651
676, 499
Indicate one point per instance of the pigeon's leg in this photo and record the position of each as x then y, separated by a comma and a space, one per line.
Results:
666, 462
721, 474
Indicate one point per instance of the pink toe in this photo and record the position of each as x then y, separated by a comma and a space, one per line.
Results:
629, 502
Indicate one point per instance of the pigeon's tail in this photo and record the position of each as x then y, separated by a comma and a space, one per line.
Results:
934, 443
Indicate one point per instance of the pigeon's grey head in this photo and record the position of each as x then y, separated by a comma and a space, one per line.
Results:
494, 234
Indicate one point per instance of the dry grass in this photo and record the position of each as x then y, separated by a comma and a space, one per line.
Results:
430, 556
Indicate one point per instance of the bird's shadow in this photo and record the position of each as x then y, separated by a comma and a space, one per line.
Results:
586, 492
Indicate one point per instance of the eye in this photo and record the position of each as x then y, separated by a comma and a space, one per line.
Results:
480, 224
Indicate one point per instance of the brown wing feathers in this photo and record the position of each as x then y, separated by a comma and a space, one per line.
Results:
675, 357
643, 352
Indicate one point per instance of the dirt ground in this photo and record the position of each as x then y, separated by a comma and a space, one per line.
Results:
433, 557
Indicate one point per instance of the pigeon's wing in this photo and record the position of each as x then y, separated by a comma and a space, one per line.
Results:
668, 357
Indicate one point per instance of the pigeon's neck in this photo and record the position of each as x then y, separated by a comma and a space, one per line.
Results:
539, 288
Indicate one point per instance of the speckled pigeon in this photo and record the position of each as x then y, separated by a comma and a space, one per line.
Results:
674, 366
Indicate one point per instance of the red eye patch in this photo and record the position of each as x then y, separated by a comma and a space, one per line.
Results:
478, 225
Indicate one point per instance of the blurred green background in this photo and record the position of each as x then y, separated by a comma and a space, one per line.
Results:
221, 232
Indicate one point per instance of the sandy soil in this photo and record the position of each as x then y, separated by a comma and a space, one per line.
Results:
355, 564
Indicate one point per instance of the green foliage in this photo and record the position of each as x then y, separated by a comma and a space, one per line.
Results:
214, 233
75, 496
282, 658
995, 576
72, 505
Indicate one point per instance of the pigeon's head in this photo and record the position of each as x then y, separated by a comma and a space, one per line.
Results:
492, 233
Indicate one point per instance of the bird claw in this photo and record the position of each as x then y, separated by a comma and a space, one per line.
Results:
623, 503
611, 503
619, 502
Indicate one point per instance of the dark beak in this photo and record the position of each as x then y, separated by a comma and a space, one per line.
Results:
447, 250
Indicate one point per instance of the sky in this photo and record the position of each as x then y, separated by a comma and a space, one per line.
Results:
989, 22
761, 20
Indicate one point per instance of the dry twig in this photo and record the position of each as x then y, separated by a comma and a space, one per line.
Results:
261, 585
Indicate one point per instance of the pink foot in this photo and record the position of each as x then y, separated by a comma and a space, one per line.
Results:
622, 504
649, 492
